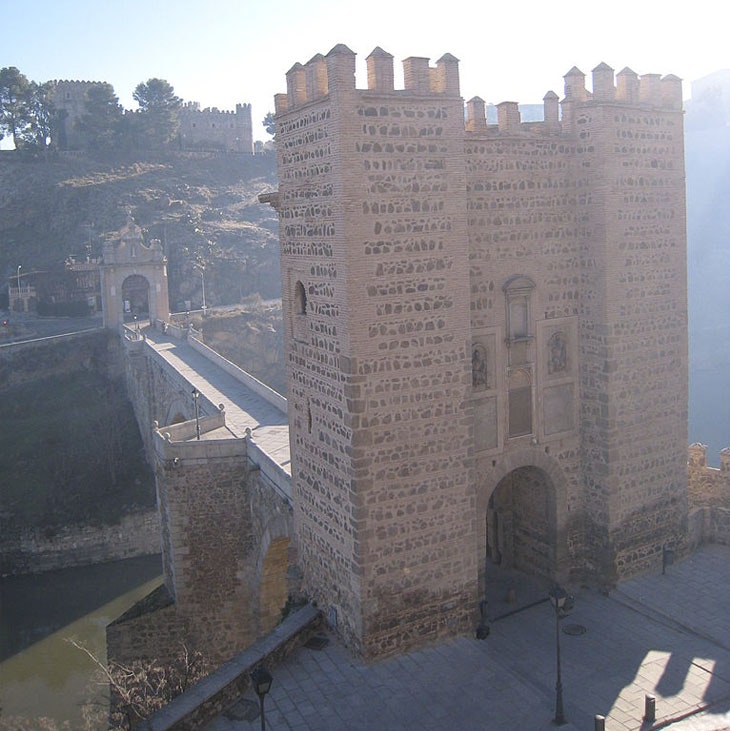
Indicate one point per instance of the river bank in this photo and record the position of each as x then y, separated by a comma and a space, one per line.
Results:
40, 549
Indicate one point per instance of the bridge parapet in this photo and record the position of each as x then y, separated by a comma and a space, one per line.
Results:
195, 340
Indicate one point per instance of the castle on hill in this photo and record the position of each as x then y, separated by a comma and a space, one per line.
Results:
200, 129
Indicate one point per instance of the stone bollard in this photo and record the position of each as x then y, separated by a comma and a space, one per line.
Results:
649, 709
599, 723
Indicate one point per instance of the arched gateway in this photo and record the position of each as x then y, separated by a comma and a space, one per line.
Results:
522, 523
133, 279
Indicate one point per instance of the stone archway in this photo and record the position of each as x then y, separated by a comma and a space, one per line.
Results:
133, 279
136, 298
521, 523
522, 529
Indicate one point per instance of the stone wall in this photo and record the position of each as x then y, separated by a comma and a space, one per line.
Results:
69, 96
158, 393
220, 690
35, 550
709, 497
629, 166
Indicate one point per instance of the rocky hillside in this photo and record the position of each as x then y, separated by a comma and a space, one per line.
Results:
203, 207
251, 336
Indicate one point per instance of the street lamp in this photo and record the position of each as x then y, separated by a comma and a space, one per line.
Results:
201, 269
558, 598
19, 268
262, 680
196, 396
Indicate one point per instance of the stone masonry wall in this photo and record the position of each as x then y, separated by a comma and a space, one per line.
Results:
522, 223
203, 500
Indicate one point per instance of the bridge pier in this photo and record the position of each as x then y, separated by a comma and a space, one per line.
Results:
226, 536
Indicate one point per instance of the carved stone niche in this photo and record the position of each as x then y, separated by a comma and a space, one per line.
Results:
557, 353
479, 367
483, 366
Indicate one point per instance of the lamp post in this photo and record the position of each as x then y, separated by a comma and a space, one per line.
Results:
558, 597
262, 680
201, 269
18, 281
196, 396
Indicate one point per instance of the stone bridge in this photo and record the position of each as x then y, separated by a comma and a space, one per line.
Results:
218, 440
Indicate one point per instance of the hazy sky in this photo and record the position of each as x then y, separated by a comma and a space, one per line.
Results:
220, 52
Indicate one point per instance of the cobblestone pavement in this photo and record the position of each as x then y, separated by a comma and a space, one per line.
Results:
667, 636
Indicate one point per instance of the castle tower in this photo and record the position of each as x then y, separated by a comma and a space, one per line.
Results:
69, 98
628, 169
486, 338
374, 266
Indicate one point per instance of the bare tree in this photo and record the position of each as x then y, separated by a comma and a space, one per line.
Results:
140, 688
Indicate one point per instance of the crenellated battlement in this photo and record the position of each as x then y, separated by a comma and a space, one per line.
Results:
335, 72
625, 87
201, 129
83, 84
213, 112
323, 76
698, 457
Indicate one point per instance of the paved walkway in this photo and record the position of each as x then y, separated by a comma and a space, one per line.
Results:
661, 635
245, 409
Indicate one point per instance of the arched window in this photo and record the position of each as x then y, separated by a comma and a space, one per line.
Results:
300, 299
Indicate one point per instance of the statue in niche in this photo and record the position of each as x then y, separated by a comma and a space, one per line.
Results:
557, 353
479, 366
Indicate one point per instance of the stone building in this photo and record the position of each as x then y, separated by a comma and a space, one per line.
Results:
486, 337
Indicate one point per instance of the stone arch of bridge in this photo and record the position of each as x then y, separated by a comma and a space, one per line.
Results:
271, 569
522, 509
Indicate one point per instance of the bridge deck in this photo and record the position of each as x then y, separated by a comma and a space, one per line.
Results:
244, 408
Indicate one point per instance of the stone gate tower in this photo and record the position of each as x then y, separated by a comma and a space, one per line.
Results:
133, 278
486, 337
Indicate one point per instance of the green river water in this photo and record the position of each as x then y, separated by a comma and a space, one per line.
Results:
41, 673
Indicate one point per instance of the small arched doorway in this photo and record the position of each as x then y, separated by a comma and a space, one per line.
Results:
135, 295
